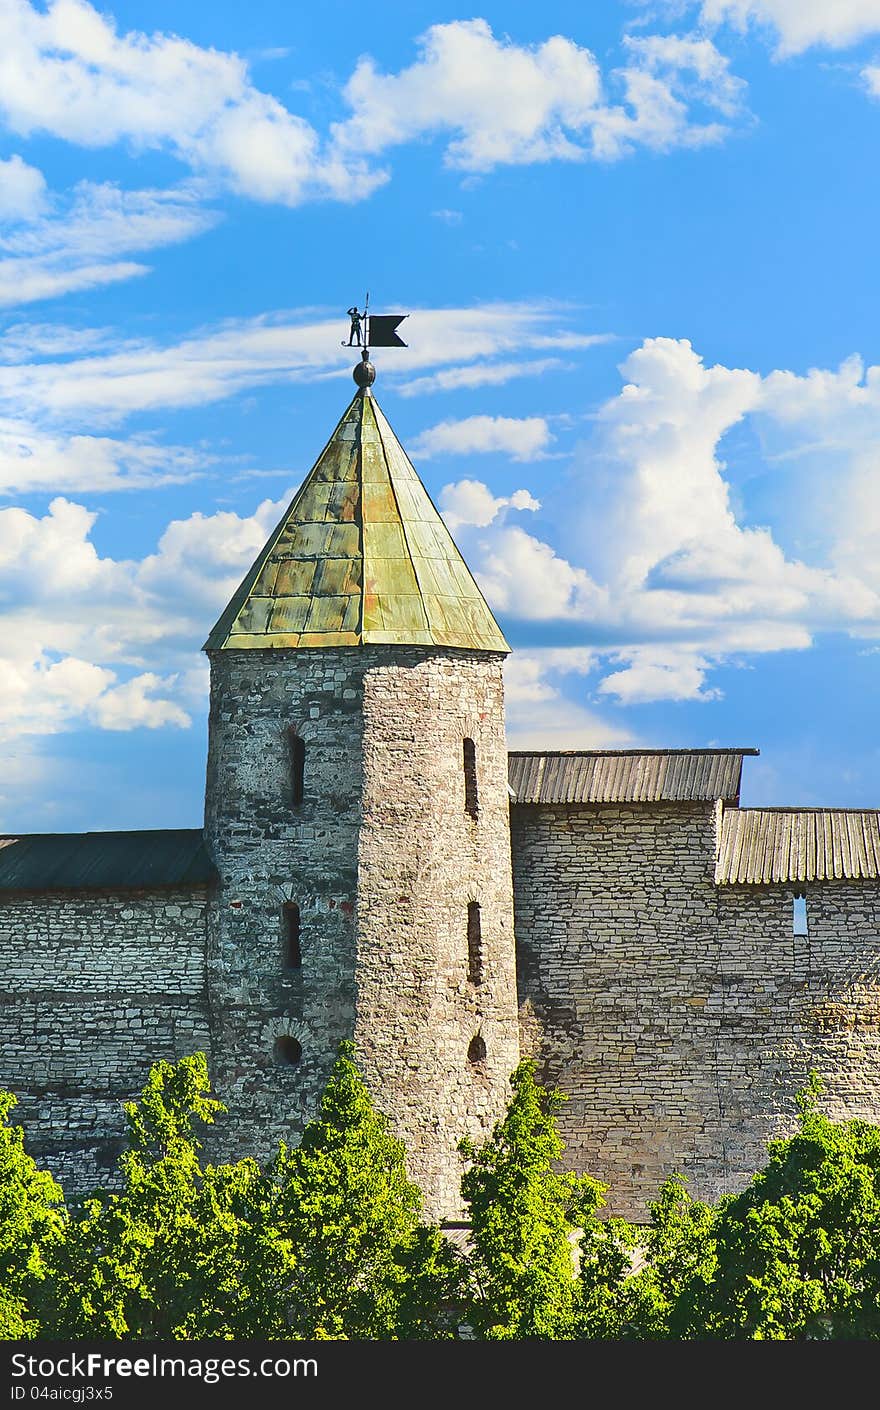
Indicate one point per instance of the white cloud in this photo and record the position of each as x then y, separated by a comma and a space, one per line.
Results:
134, 706
472, 502
41, 696
29, 281
486, 374
66, 71
32, 460
659, 675
524, 576
871, 75
69, 72
685, 566
522, 438
800, 23
667, 77
22, 190
92, 641
540, 716
20, 341
74, 242
650, 545
109, 385
506, 102
500, 103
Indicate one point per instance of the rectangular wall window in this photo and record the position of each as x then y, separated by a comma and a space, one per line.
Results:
475, 943
297, 748
469, 760
292, 951
799, 916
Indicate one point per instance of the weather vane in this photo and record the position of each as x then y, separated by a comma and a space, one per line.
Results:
374, 330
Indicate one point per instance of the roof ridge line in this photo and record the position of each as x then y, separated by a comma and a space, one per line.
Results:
624, 753
794, 808
403, 526
363, 393
437, 511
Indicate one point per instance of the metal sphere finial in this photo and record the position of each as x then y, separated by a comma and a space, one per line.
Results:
364, 373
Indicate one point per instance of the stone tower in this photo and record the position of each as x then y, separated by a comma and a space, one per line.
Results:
357, 814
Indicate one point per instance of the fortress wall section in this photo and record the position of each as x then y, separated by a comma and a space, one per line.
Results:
798, 1003
423, 859
95, 987
681, 1017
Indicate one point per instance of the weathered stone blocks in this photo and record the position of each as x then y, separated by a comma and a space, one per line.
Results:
382, 858
681, 1017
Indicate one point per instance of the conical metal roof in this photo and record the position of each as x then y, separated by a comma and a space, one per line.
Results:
361, 556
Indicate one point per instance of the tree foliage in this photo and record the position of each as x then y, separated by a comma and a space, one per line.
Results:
325, 1243
798, 1252
328, 1241
364, 1265
649, 1283
163, 1257
525, 1215
32, 1219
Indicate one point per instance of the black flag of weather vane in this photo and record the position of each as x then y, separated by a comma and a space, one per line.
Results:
374, 330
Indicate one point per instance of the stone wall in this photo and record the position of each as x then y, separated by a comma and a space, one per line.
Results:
94, 988
680, 1017
382, 858
422, 859
270, 852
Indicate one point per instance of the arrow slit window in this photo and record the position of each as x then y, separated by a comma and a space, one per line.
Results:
297, 759
475, 943
469, 761
292, 950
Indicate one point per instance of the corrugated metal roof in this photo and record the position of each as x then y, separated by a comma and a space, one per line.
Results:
63, 861
360, 556
760, 846
627, 775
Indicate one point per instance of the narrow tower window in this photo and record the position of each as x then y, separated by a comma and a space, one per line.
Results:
297, 748
477, 1049
799, 915
469, 758
287, 1052
475, 943
292, 951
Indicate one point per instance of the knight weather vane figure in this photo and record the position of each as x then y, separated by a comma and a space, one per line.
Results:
354, 337
374, 330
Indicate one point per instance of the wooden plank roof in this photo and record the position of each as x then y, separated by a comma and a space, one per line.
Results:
766, 846
626, 775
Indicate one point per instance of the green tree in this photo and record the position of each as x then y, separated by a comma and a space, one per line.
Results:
364, 1266
525, 1217
649, 1283
32, 1218
325, 1243
173, 1253
798, 1252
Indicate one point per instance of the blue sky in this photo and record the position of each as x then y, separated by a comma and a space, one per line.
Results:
637, 244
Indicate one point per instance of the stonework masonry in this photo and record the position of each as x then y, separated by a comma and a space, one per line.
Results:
680, 1017
94, 987
381, 857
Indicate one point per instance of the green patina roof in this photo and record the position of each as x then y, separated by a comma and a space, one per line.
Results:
360, 556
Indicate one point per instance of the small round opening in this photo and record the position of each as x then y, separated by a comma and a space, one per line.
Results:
287, 1052
477, 1048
